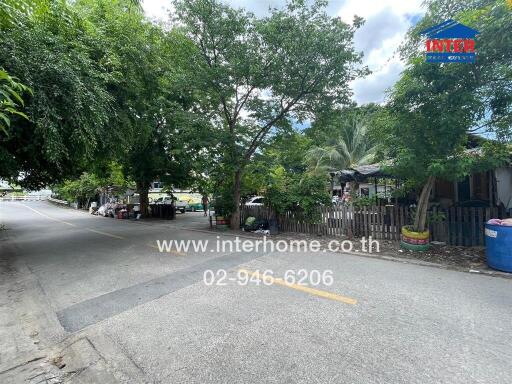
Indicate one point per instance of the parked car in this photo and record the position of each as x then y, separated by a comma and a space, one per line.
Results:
180, 205
194, 205
255, 201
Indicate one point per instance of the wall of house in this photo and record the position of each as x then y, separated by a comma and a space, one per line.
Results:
368, 189
480, 186
444, 189
504, 184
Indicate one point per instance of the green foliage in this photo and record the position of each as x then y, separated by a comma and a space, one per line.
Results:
10, 99
53, 54
436, 217
300, 193
286, 149
490, 77
364, 201
331, 123
309, 194
107, 84
223, 199
161, 134
14, 13
259, 72
88, 185
350, 144
431, 217
83, 188
278, 192
433, 107
424, 128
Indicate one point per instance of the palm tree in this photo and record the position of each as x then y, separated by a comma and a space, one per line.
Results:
351, 148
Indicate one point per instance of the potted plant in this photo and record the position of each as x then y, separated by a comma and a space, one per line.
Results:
415, 240
223, 209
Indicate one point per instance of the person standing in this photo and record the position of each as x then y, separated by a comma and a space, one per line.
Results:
205, 201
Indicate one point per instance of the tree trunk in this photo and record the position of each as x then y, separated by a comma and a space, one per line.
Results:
235, 216
354, 188
420, 220
143, 189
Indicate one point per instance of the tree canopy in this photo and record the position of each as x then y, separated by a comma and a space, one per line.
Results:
70, 109
490, 76
432, 108
107, 85
259, 72
214, 100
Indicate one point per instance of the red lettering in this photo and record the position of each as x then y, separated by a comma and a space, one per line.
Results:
469, 45
457, 45
449, 45
440, 45
429, 45
437, 45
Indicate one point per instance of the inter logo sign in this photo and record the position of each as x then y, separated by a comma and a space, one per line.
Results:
450, 42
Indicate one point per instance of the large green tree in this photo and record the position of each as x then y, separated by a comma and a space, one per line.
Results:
434, 106
158, 124
491, 75
50, 51
107, 85
260, 72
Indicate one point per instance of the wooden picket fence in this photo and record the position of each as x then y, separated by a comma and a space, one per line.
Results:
454, 226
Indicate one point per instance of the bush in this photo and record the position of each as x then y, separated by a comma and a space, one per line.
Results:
292, 192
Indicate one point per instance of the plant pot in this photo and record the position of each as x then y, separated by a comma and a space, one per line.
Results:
414, 247
222, 222
412, 240
408, 232
415, 241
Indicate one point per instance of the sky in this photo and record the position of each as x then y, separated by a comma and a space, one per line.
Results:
387, 21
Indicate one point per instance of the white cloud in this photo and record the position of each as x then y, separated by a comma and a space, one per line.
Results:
373, 87
367, 8
157, 9
387, 21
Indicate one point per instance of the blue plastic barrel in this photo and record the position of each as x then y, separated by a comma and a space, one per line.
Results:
498, 247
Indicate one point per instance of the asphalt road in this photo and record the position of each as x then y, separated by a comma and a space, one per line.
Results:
394, 323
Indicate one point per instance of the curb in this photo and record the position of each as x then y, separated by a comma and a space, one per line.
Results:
381, 256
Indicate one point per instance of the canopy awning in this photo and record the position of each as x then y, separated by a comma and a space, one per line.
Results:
362, 173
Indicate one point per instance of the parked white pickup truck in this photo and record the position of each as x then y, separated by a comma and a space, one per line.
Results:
181, 205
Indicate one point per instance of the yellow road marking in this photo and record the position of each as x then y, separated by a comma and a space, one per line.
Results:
104, 233
302, 288
177, 253
49, 217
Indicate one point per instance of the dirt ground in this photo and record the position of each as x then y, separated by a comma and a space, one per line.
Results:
468, 259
